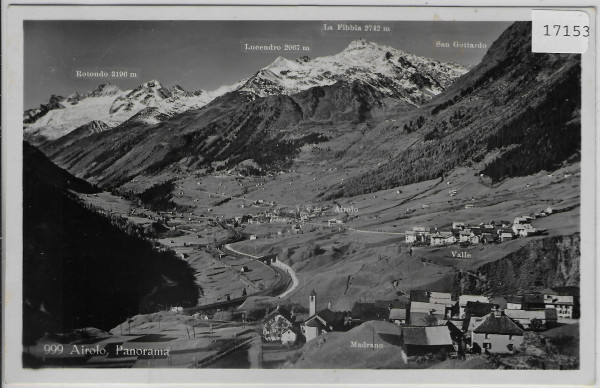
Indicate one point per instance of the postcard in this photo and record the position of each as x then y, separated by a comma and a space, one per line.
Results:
305, 195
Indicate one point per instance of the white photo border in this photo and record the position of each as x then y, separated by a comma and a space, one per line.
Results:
13, 15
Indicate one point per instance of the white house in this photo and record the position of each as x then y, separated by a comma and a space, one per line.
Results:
289, 336
514, 302
417, 234
449, 238
312, 328
505, 235
522, 220
398, 316
517, 228
437, 239
334, 221
442, 238
496, 334
421, 229
458, 225
562, 303
464, 235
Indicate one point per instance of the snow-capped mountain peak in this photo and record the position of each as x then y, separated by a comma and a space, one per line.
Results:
361, 44
392, 72
106, 89
282, 63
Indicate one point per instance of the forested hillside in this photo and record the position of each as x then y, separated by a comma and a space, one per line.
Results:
79, 268
524, 104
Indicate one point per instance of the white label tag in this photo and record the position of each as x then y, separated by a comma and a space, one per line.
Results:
557, 31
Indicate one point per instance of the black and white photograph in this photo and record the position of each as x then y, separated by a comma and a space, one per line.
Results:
302, 194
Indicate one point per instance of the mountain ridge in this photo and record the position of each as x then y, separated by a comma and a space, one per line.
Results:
524, 105
395, 73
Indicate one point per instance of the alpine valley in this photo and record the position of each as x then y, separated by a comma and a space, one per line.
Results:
331, 165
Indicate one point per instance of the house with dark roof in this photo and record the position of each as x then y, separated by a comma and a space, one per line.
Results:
422, 340
426, 314
499, 301
335, 320
488, 238
401, 302
464, 299
313, 327
368, 311
533, 302
425, 318
419, 296
496, 333
477, 309
325, 321
476, 231
398, 316
426, 296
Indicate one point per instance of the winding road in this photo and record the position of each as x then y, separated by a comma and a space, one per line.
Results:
278, 264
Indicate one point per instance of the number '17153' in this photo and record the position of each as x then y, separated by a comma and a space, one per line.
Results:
574, 31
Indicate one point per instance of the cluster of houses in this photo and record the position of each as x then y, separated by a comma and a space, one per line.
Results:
432, 322
279, 216
291, 221
484, 233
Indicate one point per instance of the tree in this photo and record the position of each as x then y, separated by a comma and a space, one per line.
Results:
536, 324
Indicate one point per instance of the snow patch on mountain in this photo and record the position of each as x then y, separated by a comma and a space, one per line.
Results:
392, 72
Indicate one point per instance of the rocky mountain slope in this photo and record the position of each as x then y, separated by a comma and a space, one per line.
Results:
525, 106
107, 103
393, 73
237, 127
546, 263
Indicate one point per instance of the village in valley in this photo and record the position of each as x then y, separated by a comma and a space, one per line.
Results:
257, 311
433, 326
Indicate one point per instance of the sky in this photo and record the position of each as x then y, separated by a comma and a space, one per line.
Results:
208, 54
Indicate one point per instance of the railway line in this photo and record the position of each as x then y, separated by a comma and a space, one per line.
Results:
282, 283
